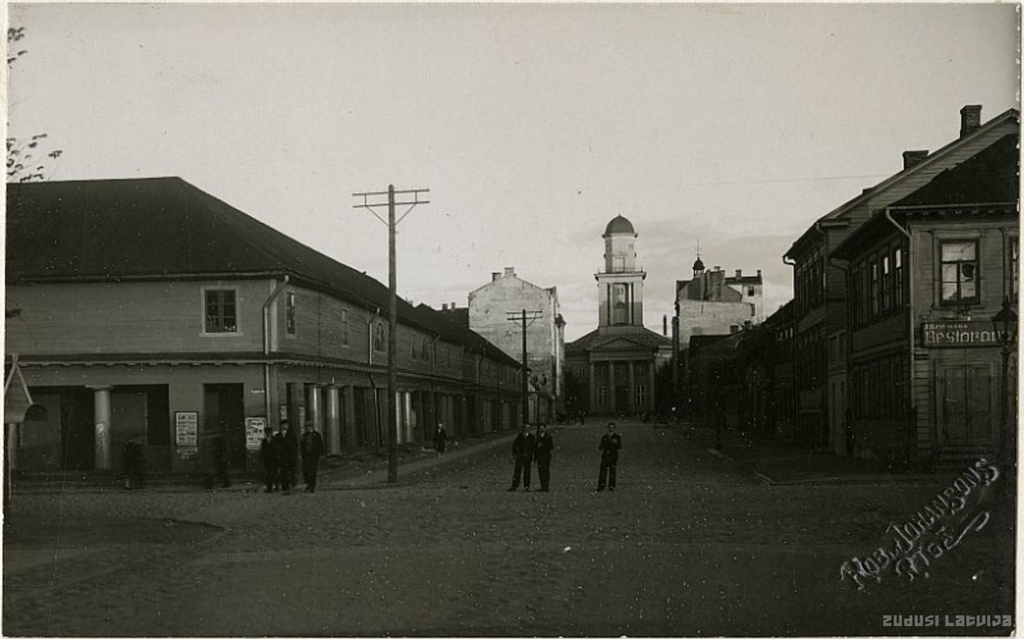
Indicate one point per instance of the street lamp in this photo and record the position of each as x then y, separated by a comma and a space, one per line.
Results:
1005, 324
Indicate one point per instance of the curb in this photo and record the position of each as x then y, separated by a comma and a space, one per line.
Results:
760, 477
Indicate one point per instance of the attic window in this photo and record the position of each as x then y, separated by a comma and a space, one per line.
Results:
290, 313
221, 314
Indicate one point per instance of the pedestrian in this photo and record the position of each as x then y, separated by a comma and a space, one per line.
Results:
544, 447
268, 455
311, 448
522, 454
287, 448
609, 447
440, 438
219, 457
131, 463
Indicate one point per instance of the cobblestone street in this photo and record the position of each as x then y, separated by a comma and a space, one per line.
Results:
687, 545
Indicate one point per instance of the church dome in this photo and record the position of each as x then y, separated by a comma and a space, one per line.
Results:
698, 266
619, 224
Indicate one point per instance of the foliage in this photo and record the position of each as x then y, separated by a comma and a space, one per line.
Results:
25, 158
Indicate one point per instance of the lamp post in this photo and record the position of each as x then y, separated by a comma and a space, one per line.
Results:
1005, 324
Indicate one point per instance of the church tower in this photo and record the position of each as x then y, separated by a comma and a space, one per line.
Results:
621, 283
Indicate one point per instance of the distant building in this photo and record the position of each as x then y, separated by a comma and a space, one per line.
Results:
148, 308
613, 367
495, 313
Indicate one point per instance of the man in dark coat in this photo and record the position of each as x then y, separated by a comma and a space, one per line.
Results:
440, 438
609, 447
220, 463
287, 447
268, 455
522, 454
311, 448
544, 447
131, 463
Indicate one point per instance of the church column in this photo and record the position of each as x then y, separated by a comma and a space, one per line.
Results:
611, 386
631, 394
592, 400
650, 380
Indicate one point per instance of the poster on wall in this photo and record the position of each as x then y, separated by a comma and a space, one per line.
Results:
186, 432
254, 432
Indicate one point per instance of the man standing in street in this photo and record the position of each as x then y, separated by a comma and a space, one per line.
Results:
609, 447
440, 439
522, 453
286, 447
268, 455
311, 448
544, 447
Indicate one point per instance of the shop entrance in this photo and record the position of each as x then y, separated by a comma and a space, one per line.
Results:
224, 414
967, 405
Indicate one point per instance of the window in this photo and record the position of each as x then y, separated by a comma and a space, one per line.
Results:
620, 308
1013, 253
886, 301
641, 396
602, 395
289, 321
959, 272
378, 336
874, 289
897, 284
413, 350
221, 311
344, 327
750, 291
424, 351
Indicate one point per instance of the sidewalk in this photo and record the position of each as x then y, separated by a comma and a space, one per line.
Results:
336, 473
781, 462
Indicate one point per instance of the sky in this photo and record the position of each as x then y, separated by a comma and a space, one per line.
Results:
730, 127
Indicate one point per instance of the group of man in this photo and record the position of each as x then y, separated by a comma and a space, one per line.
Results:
278, 452
526, 448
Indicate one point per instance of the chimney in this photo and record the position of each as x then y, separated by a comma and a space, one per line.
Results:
758, 273
970, 118
452, 306
739, 273
913, 158
510, 271
495, 276
664, 325
444, 307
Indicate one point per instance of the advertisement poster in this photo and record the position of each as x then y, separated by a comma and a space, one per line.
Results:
186, 432
254, 432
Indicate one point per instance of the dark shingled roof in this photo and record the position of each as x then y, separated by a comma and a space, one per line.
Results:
986, 178
165, 228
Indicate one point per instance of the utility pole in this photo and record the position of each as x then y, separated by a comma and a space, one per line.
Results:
533, 315
391, 223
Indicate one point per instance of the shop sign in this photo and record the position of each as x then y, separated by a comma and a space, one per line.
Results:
254, 432
958, 334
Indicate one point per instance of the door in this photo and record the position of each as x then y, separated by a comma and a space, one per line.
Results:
224, 414
966, 406
77, 429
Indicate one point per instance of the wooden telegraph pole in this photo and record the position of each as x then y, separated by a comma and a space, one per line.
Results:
533, 315
391, 223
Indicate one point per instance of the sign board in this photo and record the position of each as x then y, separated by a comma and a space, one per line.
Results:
186, 429
254, 432
958, 334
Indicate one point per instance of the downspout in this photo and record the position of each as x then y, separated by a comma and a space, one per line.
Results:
910, 318
267, 404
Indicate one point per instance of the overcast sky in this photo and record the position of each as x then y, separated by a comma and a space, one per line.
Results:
733, 125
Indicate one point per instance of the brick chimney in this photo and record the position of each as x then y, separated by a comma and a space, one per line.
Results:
510, 271
739, 273
970, 118
913, 158
444, 307
495, 276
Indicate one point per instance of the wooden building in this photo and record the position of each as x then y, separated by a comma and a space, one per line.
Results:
820, 284
150, 308
927, 273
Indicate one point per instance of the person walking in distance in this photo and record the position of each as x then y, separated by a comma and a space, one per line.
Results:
440, 439
544, 447
522, 454
311, 448
609, 447
268, 455
286, 447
